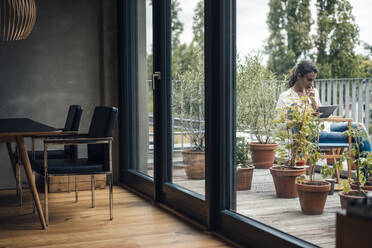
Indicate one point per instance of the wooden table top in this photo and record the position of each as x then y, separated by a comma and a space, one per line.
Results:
24, 127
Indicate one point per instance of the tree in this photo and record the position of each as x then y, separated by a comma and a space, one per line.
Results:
344, 38
289, 24
198, 25
336, 38
325, 11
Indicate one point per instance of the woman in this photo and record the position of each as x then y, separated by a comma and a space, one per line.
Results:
301, 86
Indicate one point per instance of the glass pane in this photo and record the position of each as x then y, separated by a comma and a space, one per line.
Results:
188, 94
269, 44
145, 133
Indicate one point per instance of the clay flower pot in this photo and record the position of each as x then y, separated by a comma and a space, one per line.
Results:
345, 198
367, 186
262, 155
194, 162
285, 181
313, 196
244, 178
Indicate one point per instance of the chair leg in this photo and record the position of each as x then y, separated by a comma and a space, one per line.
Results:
33, 202
68, 184
92, 186
111, 197
19, 184
46, 199
76, 191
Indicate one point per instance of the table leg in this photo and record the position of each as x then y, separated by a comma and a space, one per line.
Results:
30, 178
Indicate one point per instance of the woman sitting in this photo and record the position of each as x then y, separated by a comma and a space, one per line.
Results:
301, 86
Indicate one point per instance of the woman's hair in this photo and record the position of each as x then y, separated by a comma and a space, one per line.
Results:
303, 67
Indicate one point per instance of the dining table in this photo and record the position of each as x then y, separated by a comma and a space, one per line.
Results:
14, 130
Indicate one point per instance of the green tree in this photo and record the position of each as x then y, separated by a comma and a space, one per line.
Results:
289, 23
336, 38
198, 25
368, 48
344, 38
325, 12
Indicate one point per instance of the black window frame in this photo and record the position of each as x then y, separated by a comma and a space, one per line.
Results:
214, 211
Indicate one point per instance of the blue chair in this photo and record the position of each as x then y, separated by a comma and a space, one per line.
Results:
98, 161
332, 144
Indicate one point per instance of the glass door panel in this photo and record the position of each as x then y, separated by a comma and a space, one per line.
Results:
187, 39
144, 92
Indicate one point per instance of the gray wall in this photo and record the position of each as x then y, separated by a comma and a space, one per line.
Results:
66, 60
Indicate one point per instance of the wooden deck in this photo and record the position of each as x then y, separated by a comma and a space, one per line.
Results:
136, 223
260, 203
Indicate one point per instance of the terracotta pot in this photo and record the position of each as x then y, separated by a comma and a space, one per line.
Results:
285, 181
262, 155
367, 186
313, 196
194, 162
244, 178
345, 198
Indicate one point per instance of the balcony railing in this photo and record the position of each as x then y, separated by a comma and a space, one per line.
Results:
352, 95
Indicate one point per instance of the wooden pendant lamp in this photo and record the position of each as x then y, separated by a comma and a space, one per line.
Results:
17, 19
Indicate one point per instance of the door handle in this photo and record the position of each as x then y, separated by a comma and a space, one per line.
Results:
156, 74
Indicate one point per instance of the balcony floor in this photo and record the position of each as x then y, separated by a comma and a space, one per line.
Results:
260, 203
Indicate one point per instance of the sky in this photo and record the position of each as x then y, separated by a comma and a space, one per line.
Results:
252, 29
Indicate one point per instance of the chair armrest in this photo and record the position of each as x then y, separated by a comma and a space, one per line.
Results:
338, 119
78, 140
59, 135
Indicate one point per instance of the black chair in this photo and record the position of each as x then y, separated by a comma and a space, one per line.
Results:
99, 160
71, 126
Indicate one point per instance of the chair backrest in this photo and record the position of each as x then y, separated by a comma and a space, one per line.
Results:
73, 118
72, 124
102, 125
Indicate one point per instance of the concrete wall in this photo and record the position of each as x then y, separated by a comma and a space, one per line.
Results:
67, 59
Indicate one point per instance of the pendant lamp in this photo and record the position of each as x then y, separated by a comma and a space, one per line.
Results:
17, 19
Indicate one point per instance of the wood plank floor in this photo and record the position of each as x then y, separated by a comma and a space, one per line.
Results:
260, 203
136, 223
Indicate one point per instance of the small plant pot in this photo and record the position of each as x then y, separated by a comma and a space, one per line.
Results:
367, 186
262, 155
313, 196
194, 162
285, 181
346, 198
244, 178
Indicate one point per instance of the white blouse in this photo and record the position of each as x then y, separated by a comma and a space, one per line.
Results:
288, 97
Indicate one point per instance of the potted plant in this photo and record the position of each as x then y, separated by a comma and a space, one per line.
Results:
188, 101
244, 172
312, 193
294, 142
256, 103
356, 189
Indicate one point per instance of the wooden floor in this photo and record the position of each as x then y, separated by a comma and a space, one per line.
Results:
136, 223
260, 203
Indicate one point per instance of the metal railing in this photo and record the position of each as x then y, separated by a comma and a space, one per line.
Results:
352, 95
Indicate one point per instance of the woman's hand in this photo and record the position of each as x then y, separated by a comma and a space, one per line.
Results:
310, 92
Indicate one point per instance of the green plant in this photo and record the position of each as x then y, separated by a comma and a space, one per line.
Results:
257, 91
355, 155
242, 154
188, 103
362, 159
299, 139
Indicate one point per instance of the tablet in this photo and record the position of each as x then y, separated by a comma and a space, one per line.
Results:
326, 110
